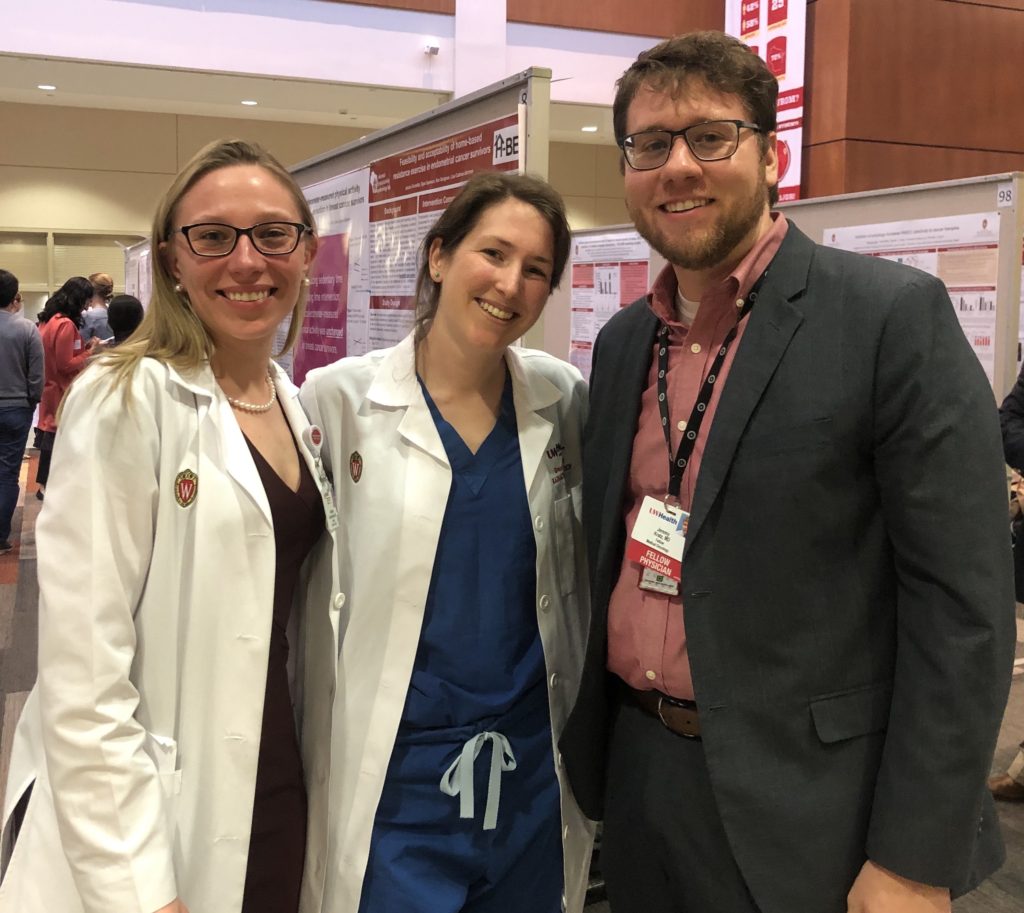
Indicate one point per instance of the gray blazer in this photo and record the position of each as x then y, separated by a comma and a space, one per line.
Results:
847, 580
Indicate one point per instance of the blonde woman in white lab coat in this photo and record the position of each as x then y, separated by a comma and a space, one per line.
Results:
456, 461
157, 764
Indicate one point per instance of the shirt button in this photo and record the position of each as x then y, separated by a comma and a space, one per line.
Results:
681, 426
339, 600
539, 523
651, 675
545, 602
695, 348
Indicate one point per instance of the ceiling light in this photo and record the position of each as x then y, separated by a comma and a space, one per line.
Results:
250, 103
47, 88
590, 129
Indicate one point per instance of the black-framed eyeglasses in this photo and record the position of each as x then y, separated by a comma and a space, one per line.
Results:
709, 141
216, 239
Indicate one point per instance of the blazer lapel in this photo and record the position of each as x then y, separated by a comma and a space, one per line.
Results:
773, 321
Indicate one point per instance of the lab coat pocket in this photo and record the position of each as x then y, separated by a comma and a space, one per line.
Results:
565, 543
164, 752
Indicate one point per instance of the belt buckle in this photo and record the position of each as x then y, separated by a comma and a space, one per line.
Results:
684, 735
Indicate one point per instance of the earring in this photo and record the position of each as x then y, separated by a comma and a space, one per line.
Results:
305, 281
436, 277
179, 289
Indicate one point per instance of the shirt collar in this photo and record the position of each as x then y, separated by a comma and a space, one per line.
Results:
662, 298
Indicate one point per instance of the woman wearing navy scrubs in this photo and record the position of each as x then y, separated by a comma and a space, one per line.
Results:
456, 462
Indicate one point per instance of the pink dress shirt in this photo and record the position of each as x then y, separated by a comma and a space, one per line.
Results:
646, 632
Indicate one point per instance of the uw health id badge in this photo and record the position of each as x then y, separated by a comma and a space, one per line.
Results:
656, 544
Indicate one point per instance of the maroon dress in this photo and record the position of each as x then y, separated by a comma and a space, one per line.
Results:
277, 846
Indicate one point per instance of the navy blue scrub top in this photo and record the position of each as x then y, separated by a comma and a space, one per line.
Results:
480, 647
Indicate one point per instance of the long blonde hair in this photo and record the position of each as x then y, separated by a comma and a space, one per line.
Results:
171, 332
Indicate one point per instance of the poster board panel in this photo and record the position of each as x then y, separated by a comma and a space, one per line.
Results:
961, 206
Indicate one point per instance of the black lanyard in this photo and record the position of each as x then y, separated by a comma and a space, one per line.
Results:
678, 463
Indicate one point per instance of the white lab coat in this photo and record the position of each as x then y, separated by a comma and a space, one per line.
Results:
377, 427
142, 734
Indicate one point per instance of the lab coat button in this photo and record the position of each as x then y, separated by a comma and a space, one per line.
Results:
339, 600
539, 523
545, 602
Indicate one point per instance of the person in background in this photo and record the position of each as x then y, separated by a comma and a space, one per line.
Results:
794, 499
1009, 786
174, 753
456, 460
94, 319
64, 355
124, 314
21, 385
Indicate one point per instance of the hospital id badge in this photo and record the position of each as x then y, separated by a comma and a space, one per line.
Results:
658, 583
658, 538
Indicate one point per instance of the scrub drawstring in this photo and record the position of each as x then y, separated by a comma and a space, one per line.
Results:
458, 779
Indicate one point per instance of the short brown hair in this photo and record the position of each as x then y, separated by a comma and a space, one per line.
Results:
482, 191
721, 61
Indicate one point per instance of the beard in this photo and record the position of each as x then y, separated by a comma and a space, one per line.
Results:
702, 250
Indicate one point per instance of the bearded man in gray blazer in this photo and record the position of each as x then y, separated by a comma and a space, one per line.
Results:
795, 506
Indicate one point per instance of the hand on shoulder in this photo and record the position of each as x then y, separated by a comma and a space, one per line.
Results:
877, 890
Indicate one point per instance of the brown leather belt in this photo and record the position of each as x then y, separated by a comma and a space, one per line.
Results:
677, 715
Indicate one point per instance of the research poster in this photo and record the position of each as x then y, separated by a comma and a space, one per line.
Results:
962, 251
371, 223
335, 323
609, 270
408, 192
776, 30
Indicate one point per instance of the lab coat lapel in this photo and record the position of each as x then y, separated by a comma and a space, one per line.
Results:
214, 408
531, 394
395, 386
237, 460
287, 395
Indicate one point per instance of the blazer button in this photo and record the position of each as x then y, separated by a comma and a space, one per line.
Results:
554, 679
539, 523
339, 600
545, 602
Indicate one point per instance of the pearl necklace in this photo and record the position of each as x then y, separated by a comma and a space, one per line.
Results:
256, 408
